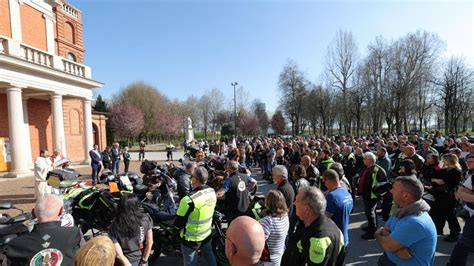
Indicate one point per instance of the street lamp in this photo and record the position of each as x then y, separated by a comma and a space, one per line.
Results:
235, 109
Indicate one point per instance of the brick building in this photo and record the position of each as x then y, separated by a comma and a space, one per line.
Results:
45, 88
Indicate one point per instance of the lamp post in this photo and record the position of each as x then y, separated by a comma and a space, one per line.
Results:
235, 109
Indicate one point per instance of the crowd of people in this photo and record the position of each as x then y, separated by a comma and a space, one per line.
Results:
306, 217
414, 180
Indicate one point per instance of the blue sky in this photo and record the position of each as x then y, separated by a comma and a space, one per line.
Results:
187, 47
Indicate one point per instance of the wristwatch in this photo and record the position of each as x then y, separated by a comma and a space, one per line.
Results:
144, 261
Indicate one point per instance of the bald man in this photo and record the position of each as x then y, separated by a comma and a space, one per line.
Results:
245, 241
49, 243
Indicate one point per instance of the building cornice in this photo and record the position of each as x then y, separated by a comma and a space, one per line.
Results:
31, 67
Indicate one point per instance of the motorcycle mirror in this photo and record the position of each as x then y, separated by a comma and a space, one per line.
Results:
6, 205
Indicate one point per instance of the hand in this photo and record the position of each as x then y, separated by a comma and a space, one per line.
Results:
437, 181
403, 253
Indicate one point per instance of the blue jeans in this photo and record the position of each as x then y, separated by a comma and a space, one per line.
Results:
134, 263
116, 167
137, 263
190, 256
95, 171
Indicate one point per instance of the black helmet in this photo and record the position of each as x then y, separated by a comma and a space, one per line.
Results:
132, 176
106, 176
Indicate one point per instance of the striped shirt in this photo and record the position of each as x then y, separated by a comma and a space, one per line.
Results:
276, 230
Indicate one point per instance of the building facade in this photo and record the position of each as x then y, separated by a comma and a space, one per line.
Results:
45, 88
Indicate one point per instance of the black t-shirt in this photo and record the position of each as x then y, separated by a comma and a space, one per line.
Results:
133, 247
47, 240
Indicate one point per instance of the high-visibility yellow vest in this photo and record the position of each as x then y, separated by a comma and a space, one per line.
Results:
374, 182
198, 226
351, 156
328, 163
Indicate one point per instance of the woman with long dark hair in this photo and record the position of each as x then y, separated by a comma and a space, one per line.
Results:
131, 232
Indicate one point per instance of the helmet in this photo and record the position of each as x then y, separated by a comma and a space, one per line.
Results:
134, 178
106, 176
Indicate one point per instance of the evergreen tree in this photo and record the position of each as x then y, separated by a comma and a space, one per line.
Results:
100, 104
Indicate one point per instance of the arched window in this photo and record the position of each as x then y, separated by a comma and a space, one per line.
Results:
69, 33
71, 56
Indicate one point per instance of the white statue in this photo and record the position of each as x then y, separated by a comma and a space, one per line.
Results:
189, 132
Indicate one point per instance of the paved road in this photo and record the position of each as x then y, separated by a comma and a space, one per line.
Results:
360, 251
157, 155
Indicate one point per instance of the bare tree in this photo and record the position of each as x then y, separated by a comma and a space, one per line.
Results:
215, 107
375, 83
414, 58
190, 109
204, 110
310, 109
292, 85
456, 92
340, 66
323, 106
357, 99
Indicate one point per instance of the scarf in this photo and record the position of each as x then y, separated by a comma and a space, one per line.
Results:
417, 207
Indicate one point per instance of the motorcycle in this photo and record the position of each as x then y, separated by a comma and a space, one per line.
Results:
12, 227
162, 187
94, 208
166, 237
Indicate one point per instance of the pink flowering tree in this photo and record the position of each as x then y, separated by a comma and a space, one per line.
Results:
170, 123
248, 124
278, 123
126, 120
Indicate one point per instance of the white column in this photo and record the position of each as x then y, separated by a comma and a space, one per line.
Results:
59, 142
88, 137
50, 34
15, 26
26, 124
15, 20
19, 165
